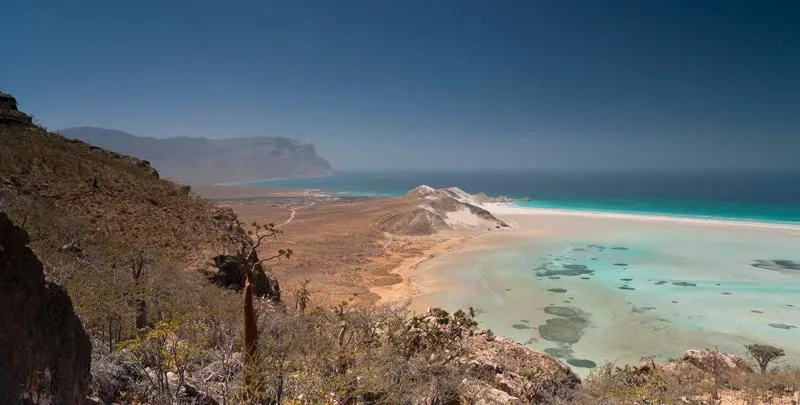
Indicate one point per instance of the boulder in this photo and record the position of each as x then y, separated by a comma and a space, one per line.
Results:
45, 354
518, 370
111, 376
713, 361
477, 392
230, 274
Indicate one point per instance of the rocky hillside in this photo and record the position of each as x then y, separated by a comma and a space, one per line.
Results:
44, 351
78, 197
435, 210
208, 161
95, 216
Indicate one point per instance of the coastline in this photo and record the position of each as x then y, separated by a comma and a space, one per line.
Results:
408, 288
415, 285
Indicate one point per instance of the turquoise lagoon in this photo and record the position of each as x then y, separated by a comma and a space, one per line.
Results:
597, 289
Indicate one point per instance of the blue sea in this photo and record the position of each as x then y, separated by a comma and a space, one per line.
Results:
751, 196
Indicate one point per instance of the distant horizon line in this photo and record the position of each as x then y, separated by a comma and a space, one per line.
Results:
598, 170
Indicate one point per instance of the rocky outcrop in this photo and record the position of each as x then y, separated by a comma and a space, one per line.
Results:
440, 209
481, 393
45, 353
497, 363
209, 161
720, 364
230, 273
9, 112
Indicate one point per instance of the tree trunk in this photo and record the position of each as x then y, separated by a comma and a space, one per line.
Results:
141, 314
250, 332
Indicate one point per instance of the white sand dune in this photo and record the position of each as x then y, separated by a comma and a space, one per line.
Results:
501, 209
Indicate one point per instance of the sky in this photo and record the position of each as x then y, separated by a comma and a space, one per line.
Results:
379, 84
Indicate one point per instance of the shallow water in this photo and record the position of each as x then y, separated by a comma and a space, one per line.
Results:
597, 290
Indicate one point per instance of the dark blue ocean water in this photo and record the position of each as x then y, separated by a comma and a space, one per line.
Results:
754, 196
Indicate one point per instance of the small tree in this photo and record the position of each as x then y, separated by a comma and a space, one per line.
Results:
138, 262
764, 354
302, 297
168, 347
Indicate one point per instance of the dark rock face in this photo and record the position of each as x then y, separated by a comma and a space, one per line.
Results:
230, 274
9, 111
45, 353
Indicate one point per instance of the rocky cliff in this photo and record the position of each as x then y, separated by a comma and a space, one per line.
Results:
208, 161
45, 353
9, 112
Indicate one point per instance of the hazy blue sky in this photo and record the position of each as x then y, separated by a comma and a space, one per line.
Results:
458, 84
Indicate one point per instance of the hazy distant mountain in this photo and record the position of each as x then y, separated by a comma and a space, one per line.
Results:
205, 161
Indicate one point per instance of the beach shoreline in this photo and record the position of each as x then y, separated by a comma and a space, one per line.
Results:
407, 289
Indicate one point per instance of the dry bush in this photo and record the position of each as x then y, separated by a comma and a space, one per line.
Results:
357, 355
762, 387
628, 385
165, 355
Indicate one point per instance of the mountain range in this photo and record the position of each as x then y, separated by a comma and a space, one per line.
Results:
210, 161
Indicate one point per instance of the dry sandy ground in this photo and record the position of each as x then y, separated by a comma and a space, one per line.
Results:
335, 242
